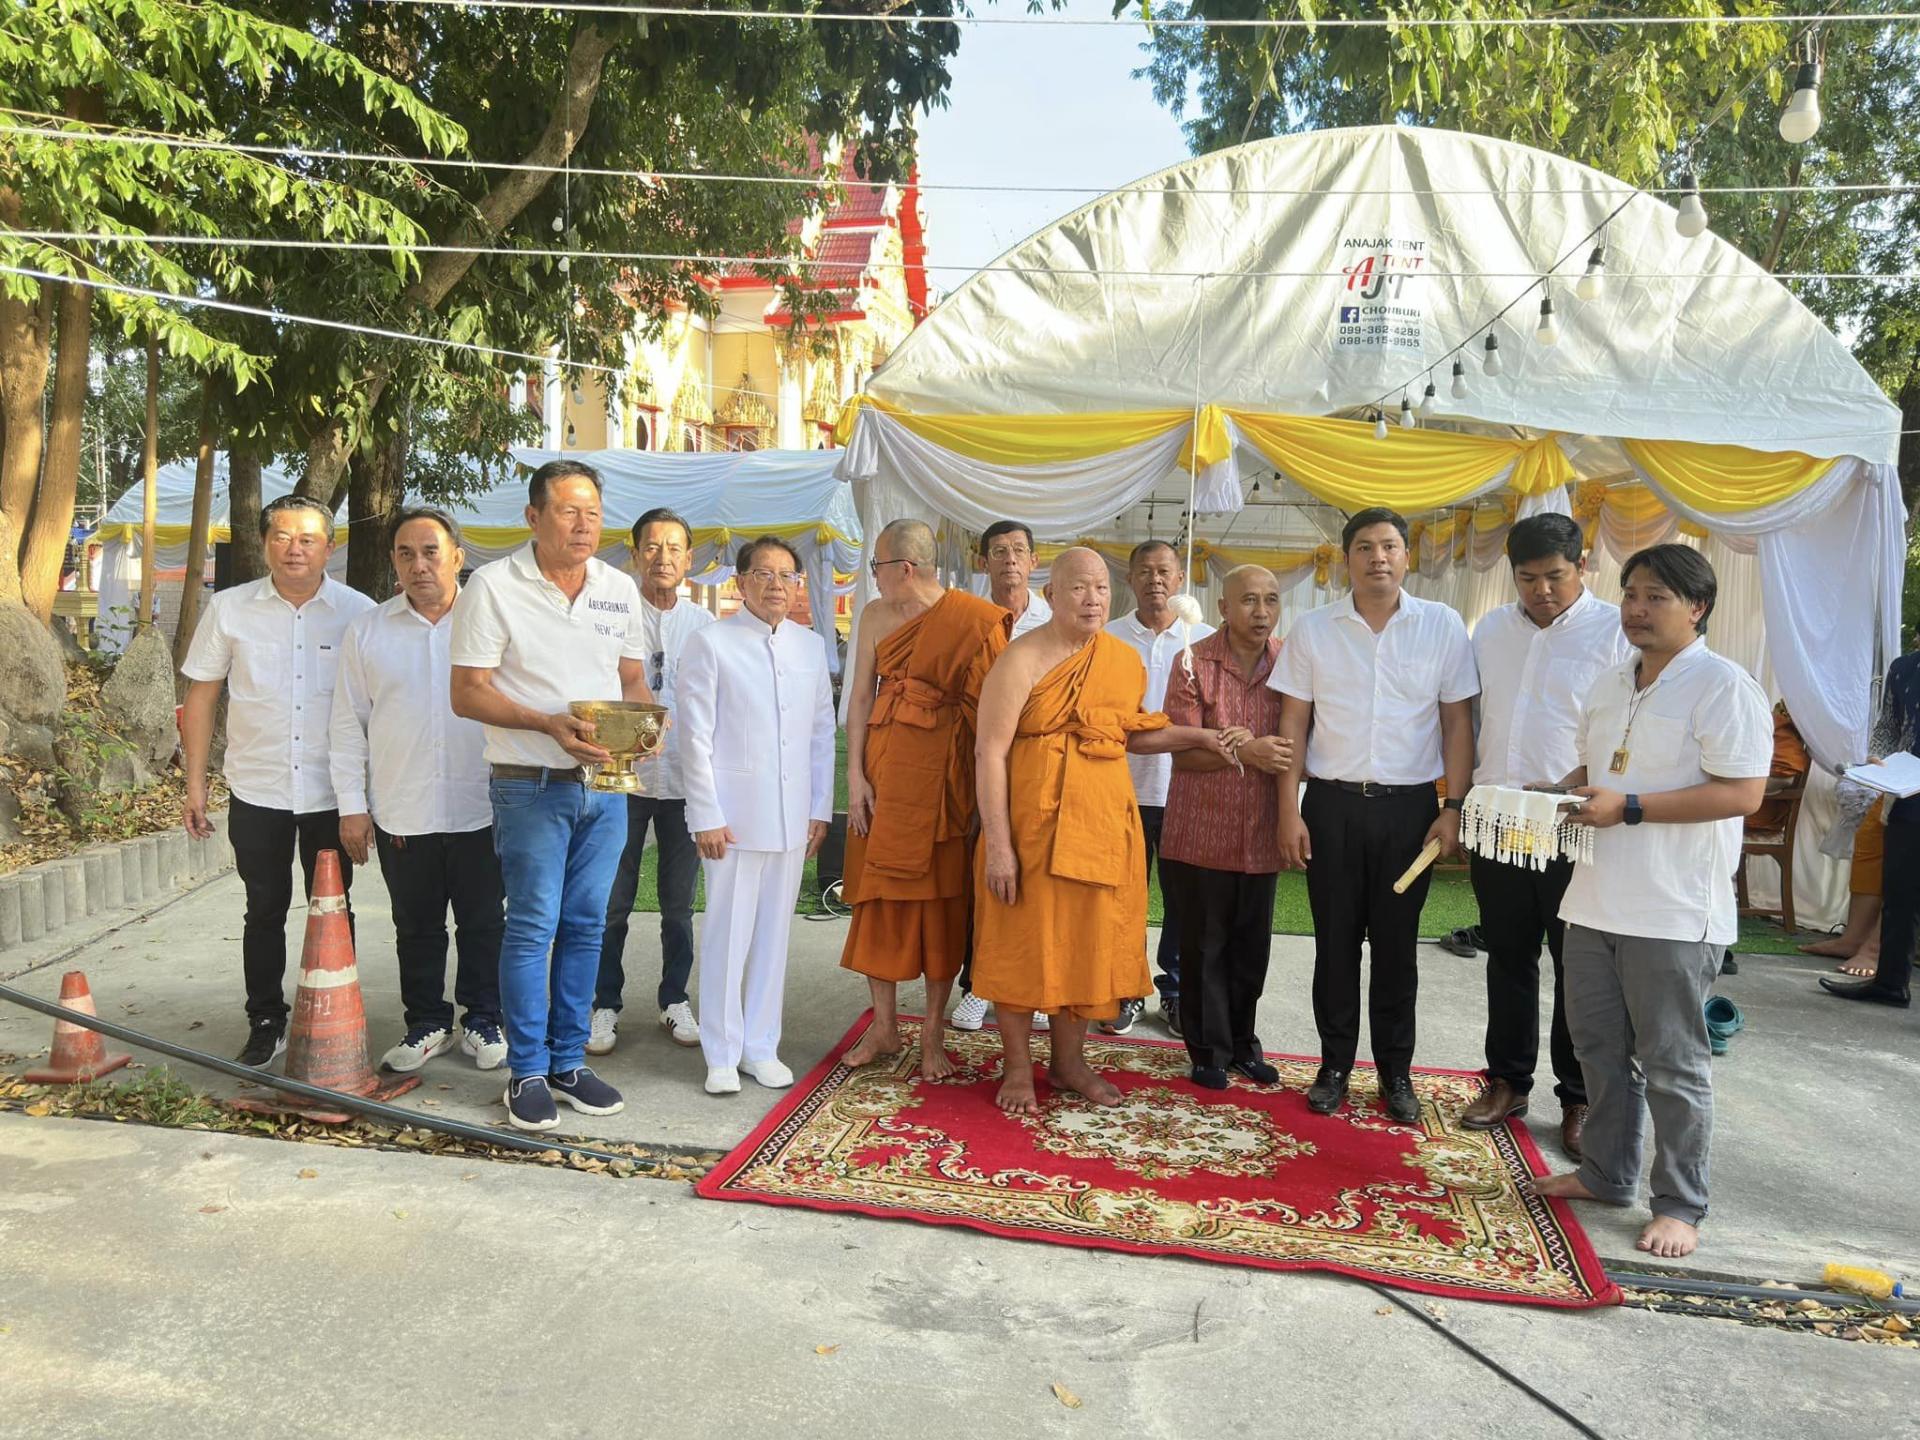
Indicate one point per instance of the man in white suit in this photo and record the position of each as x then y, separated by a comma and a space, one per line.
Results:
756, 748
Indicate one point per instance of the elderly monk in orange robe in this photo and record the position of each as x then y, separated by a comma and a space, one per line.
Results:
923, 653
1061, 881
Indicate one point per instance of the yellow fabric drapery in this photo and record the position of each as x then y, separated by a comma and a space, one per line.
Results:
1014, 440
1724, 478
1207, 556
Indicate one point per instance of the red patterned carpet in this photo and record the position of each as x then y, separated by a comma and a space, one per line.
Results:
1246, 1176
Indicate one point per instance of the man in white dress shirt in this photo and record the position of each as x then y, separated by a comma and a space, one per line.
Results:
1674, 750
1155, 575
1538, 659
548, 625
756, 751
412, 781
1377, 695
662, 553
275, 644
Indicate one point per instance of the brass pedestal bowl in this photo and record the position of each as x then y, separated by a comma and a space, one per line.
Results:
628, 730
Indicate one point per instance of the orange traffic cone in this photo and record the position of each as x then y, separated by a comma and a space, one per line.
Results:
78, 1054
328, 1042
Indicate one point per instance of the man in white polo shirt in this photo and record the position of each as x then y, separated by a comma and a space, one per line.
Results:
1155, 575
546, 626
1674, 750
412, 780
1538, 658
275, 644
1377, 695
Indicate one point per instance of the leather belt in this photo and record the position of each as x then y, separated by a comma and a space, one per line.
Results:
576, 776
1372, 789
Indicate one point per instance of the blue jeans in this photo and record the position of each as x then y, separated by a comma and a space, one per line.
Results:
559, 844
679, 869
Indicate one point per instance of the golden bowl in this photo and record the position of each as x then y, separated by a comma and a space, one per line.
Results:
628, 730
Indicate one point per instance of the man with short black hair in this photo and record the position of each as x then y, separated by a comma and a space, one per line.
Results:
1538, 658
275, 644
1377, 699
412, 780
662, 555
757, 754
1674, 747
1007, 553
548, 625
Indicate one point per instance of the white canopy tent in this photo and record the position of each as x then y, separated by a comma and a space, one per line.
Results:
726, 497
1212, 315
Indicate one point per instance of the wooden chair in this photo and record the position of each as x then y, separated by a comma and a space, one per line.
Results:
1777, 844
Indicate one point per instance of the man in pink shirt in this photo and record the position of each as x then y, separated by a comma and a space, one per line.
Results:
1219, 843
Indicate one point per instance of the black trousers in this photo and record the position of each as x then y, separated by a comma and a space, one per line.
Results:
1518, 907
1172, 935
1901, 908
1360, 847
1225, 935
679, 871
426, 874
264, 843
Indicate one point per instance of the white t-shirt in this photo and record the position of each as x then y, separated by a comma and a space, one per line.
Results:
1037, 613
1376, 698
279, 664
666, 633
1703, 717
1533, 681
545, 650
1159, 653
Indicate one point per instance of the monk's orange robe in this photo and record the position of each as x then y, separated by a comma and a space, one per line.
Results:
1071, 941
908, 878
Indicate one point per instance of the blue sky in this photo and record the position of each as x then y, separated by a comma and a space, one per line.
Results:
1034, 105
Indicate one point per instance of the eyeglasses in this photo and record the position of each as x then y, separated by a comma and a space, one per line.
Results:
789, 578
874, 565
1009, 552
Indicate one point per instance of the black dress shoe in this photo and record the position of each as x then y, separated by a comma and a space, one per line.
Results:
1865, 990
1396, 1093
1210, 1077
1328, 1091
1257, 1071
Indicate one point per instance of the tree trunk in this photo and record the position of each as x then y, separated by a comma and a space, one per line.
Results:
1783, 212
25, 330
378, 486
149, 489
44, 546
194, 583
332, 446
247, 553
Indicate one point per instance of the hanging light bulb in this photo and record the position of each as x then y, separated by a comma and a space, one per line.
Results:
579, 398
1379, 424
1407, 421
1591, 285
1459, 379
1800, 121
1427, 401
1492, 363
570, 436
1692, 219
1548, 332
559, 224
565, 264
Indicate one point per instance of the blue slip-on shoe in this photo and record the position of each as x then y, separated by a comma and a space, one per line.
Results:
586, 1092
1724, 1021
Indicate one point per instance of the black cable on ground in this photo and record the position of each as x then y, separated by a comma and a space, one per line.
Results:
1487, 1360
376, 1109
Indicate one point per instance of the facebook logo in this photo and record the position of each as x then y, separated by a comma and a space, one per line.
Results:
1349, 314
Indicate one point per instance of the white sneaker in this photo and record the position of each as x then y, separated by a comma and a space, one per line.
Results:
600, 1036
423, 1042
484, 1041
970, 1013
770, 1073
723, 1080
678, 1022
1042, 1022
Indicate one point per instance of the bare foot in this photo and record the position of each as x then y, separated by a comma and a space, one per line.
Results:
1669, 1238
1834, 947
872, 1045
1085, 1082
1016, 1095
1865, 963
936, 1064
1562, 1187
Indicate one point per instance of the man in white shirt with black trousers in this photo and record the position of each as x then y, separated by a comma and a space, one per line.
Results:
1155, 575
662, 554
1538, 658
412, 781
1377, 697
1675, 748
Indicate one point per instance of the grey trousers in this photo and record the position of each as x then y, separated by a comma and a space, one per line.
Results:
1635, 1011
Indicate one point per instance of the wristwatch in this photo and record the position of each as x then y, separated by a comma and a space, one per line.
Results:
1452, 802
1634, 814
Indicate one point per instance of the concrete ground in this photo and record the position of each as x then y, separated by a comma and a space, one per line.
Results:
127, 1307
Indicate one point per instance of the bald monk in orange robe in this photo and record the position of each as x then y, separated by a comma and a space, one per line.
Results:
1060, 878
922, 656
